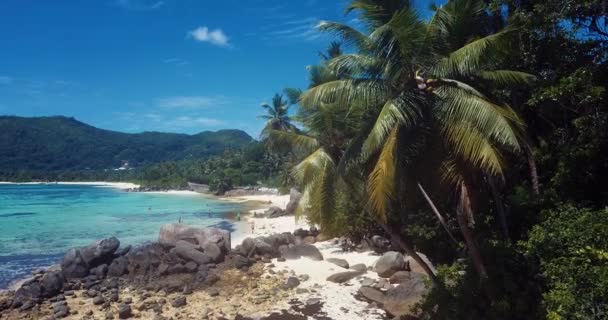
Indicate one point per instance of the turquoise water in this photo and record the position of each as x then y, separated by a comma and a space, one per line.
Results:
39, 223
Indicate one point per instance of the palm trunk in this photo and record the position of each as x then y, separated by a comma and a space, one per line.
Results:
532, 168
396, 239
439, 216
500, 209
463, 211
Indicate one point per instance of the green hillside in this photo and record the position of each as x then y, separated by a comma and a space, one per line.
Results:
62, 143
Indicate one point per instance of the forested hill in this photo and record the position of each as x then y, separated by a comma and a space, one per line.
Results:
62, 143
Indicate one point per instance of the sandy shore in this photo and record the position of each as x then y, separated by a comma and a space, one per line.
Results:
119, 185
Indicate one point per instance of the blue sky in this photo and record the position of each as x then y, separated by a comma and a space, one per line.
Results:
157, 65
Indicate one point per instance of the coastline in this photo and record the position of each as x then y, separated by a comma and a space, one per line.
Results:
118, 185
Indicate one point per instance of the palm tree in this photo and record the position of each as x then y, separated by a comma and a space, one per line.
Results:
277, 115
423, 92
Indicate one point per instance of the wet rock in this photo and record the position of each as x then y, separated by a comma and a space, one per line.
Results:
342, 277
118, 267
100, 252
339, 262
123, 251
52, 283
179, 302
74, 265
124, 311
389, 263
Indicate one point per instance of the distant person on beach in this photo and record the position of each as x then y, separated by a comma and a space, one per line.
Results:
238, 216
180, 220
252, 225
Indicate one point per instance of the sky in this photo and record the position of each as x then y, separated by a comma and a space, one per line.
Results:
158, 65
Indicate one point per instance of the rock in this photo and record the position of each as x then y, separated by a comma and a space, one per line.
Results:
400, 299
274, 212
309, 240
297, 251
191, 267
389, 263
301, 233
415, 267
189, 252
292, 282
214, 252
98, 300
313, 301
52, 283
213, 292
399, 277
170, 234
239, 261
100, 271
339, 262
124, 311
100, 251
179, 302
342, 277
294, 200
367, 282
118, 267
379, 244
123, 251
372, 294
27, 306
359, 267
28, 291
127, 300
73, 264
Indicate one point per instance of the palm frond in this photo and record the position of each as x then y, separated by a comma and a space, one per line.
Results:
381, 181
507, 78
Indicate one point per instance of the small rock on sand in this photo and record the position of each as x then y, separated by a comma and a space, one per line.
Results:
339, 262
342, 277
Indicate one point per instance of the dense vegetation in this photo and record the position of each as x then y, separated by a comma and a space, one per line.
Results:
478, 136
48, 144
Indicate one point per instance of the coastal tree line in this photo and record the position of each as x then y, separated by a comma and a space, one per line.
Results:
477, 136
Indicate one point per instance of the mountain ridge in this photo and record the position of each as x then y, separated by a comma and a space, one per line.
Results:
65, 143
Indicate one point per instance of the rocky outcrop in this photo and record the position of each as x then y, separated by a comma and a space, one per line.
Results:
398, 301
389, 263
342, 277
190, 252
170, 234
339, 262
372, 294
297, 251
274, 212
294, 200
78, 262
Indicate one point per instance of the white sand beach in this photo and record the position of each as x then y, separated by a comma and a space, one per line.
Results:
118, 185
339, 300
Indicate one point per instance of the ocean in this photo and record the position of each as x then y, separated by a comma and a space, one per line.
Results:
39, 223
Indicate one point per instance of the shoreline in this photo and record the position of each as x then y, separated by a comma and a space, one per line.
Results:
118, 185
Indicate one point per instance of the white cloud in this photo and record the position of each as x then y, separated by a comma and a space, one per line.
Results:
189, 102
6, 80
204, 34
